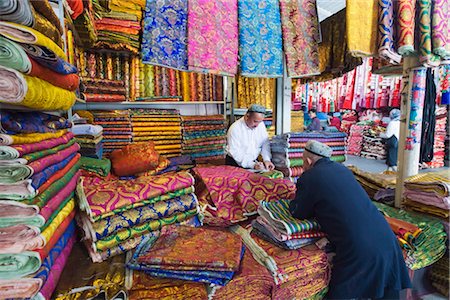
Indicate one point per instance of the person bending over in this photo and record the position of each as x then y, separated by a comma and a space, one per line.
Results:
247, 138
368, 261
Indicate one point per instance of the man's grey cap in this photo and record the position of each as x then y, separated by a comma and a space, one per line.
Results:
318, 148
257, 108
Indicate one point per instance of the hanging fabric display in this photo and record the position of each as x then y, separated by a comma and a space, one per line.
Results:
417, 96
362, 27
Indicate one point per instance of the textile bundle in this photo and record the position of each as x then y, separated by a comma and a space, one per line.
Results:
276, 225
373, 146
255, 91
287, 149
116, 215
355, 139
439, 276
161, 126
431, 248
362, 30
204, 137
297, 121
103, 90
175, 254
228, 194
89, 137
439, 139
117, 131
429, 193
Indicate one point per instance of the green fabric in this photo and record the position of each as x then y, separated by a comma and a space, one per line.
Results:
275, 174
56, 212
7, 152
36, 155
101, 167
15, 266
12, 173
298, 162
428, 250
128, 233
164, 197
36, 221
42, 199
13, 56
319, 296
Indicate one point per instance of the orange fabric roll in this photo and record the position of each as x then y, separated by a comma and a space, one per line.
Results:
134, 158
68, 82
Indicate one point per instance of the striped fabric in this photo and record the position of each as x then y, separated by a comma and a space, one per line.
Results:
277, 213
438, 182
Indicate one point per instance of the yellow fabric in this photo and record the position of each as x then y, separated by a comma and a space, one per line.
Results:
438, 182
27, 35
167, 147
29, 138
427, 209
362, 27
60, 217
185, 85
157, 129
87, 115
255, 91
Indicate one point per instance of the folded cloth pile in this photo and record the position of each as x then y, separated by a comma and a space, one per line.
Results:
427, 249
439, 276
373, 145
117, 214
349, 118
429, 193
270, 126
229, 194
379, 186
276, 225
439, 139
143, 155
355, 139
176, 254
287, 149
104, 90
105, 280
34, 70
121, 25
95, 167
161, 126
144, 286
204, 137
89, 137
116, 129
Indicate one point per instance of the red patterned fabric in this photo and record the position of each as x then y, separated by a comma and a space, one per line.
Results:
134, 158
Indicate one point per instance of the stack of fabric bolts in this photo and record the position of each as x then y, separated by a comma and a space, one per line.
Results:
204, 137
427, 250
175, 254
89, 137
104, 90
276, 225
439, 139
355, 139
287, 149
39, 172
116, 129
115, 220
161, 126
373, 146
429, 193
439, 276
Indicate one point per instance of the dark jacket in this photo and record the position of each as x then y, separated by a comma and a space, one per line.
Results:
368, 258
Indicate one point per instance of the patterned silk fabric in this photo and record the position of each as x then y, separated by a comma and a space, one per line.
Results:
300, 26
229, 194
255, 91
386, 28
441, 27
362, 28
143, 156
213, 36
405, 26
260, 45
164, 37
98, 196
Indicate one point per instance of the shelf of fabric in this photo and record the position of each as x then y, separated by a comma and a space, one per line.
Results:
136, 104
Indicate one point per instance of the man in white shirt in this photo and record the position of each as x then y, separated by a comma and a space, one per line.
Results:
247, 138
392, 135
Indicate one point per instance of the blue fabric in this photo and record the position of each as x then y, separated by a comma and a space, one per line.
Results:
260, 43
164, 39
38, 179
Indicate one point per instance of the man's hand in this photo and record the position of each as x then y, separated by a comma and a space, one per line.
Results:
258, 165
269, 165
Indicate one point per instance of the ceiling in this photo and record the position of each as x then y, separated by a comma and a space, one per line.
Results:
327, 8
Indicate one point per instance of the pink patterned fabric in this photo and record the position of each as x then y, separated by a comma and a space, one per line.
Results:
46, 161
47, 144
229, 194
213, 36
56, 270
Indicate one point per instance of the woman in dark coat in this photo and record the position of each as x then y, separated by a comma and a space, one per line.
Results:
368, 262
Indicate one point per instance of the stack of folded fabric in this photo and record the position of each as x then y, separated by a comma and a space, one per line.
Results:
439, 139
105, 279
379, 186
94, 167
440, 276
89, 137
429, 193
430, 247
204, 137
176, 254
297, 121
116, 129
276, 225
270, 125
287, 149
349, 118
229, 194
373, 146
121, 24
144, 286
103, 90
39, 172
117, 214
355, 139
34, 69
161, 126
